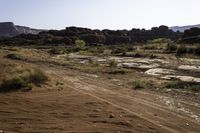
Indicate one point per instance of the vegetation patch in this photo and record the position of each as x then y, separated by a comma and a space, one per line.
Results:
95, 50
80, 43
13, 56
117, 71
37, 77
142, 54
112, 63
181, 50
171, 47
24, 81
57, 50
15, 84
142, 84
197, 50
59, 83
161, 40
178, 84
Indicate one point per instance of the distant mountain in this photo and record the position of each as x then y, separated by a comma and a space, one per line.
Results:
9, 29
183, 28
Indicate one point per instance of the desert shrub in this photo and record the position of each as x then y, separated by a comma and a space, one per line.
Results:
57, 50
138, 55
13, 56
14, 84
191, 50
95, 49
107, 52
181, 50
24, 81
161, 40
117, 71
130, 48
178, 84
59, 83
71, 49
171, 47
38, 77
197, 50
10, 49
139, 84
153, 56
80, 43
112, 63
119, 50
93, 62
173, 84
142, 84
150, 47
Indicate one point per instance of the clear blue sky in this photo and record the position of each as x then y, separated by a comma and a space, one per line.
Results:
101, 14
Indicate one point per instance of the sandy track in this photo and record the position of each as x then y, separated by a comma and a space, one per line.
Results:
170, 118
85, 105
181, 122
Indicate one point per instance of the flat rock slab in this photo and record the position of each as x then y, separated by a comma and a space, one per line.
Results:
76, 56
189, 68
160, 71
182, 78
138, 65
137, 60
190, 61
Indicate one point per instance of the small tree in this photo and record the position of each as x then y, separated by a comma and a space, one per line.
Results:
80, 43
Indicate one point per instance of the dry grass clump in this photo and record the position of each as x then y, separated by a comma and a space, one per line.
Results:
23, 80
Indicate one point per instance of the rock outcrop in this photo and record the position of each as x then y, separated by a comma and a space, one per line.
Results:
10, 30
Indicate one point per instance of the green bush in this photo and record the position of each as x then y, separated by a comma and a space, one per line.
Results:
57, 50
191, 50
112, 63
181, 50
138, 55
14, 84
59, 83
178, 84
80, 43
119, 50
117, 71
161, 40
13, 56
38, 77
28, 87
141, 54
143, 84
95, 50
24, 81
150, 47
197, 50
139, 84
153, 56
130, 48
171, 47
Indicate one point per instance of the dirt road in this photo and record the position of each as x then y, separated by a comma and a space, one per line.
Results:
85, 103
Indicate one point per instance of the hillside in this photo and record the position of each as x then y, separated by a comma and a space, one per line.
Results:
69, 35
10, 29
183, 28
